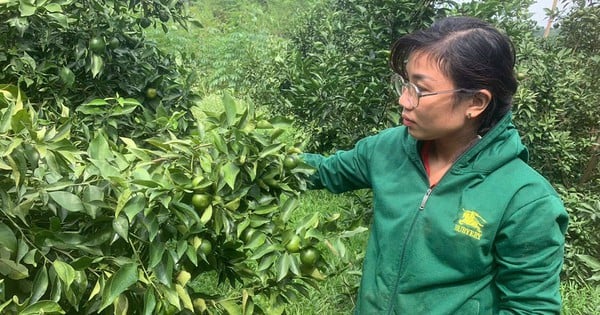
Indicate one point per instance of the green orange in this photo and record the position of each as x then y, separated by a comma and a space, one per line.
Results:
309, 256
201, 201
293, 245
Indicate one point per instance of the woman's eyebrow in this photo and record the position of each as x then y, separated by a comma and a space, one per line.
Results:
420, 77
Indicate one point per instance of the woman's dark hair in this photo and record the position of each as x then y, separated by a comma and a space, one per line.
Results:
472, 53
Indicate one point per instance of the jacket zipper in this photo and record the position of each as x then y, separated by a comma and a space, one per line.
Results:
425, 198
412, 225
410, 231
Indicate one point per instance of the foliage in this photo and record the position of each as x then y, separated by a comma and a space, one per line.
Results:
64, 53
339, 88
580, 299
575, 25
117, 226
247, 63
513, 17
239, 47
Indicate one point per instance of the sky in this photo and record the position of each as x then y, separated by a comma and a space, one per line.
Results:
538, 10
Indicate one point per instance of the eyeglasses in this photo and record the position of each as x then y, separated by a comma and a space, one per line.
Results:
413, 94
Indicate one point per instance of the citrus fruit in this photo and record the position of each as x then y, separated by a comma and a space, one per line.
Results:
145, 22
151, 93
205, 247
114, 43
97, 44
293, 245
164, 16
290, 162
200, 201
309, 256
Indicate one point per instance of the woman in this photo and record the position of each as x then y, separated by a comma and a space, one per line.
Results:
462, 225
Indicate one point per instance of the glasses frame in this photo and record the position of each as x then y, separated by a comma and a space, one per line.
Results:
401, 85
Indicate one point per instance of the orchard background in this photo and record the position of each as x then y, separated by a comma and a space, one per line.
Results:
148, 148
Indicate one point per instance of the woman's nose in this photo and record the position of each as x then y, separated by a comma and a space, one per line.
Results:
404, 102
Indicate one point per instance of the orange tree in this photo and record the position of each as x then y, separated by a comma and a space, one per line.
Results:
117, 194
64, 53
125, 225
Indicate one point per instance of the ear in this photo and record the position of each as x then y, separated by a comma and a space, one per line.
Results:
479, 103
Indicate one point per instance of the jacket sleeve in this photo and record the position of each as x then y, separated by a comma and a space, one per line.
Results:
342, 171
529, 254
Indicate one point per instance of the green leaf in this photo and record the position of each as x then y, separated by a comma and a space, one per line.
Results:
42, 307
6, 118
40, 285
23, 249
94, 107
207, 214
257, 241
53, 7
121, 226
231, 307
134, 206
267, 261
271, 149
13, 270
120, 281
157, 250
266, 249
230, 173
230, 108
21, 120
590, 261
184, 297
65, 272
67, 200
92, 198
127, 106
121, 305
99, 149
97, 65
286, 210
171, 296
149, 302
8, 240
26, 8
283, 266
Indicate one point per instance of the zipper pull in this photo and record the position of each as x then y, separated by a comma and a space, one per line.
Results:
424, 201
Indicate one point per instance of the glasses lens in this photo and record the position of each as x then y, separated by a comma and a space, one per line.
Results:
399, 84
402, 86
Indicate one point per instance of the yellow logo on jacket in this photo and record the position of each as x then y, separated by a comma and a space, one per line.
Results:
470, 224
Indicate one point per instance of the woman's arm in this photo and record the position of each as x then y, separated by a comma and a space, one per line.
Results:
529, 254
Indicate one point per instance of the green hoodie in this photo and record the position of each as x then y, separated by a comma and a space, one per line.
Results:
487, 239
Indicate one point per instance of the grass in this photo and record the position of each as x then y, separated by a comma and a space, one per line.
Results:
580, 300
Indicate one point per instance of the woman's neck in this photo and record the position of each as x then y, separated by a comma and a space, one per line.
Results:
447, 152
440, 156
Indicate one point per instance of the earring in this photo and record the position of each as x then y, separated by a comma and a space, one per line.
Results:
468, 115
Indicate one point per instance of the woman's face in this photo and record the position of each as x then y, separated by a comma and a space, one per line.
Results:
437, 116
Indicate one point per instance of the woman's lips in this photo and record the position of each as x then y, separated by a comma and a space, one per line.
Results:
407, 122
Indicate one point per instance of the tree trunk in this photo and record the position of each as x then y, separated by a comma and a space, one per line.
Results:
550, 19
